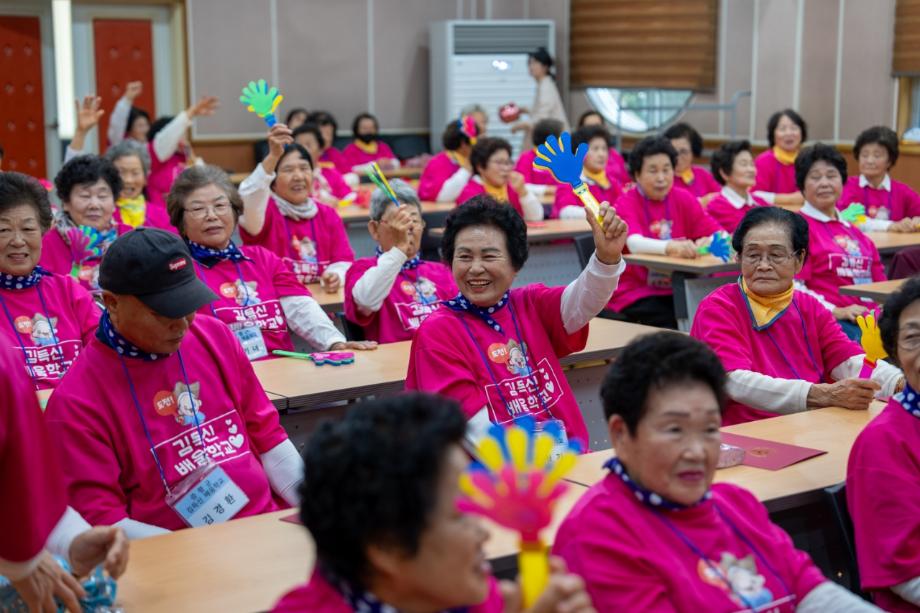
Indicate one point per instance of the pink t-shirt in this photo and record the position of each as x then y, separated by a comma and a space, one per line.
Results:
632, 558
805, 343
111, 471
703, 182
892, 205
31, 484
727, 214
534, 176
474, 188
50, 346
457, 355
678, 216
565, 194
254, 299
439, 169
773, 176
163, 173
883, 495
839, 254
330, 181
617, 166
334, 156
356, 157
414, 296
318, 596
307, 246
58, 257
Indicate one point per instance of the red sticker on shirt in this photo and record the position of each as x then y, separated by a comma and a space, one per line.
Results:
228, 290
165, 403
23, 324
407, 288
498, 352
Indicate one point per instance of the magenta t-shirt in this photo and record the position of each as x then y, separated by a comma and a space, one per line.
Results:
534, 176
892, 205
334, 157
883, 495
632, 560
565, 194
439, 169
356, 157
331, 180
31, 484
163, 173
57, 256
474, 188
839, 254
678, 216
805, 343
414, 296
254, 299
307, 246
459, 356
703, 182
727, 215
51, 339
110, 468
617, 165
318, 596
773, 176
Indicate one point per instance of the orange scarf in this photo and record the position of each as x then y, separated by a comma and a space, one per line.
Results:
765, 309
784, 156
368, 148
688, 176
499, 193
599, 177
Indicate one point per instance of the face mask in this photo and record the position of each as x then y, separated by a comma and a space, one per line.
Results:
367, 138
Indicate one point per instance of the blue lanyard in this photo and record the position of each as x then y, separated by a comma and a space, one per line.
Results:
485, 360
239, 272
140, 413
811, 354
25, 355
715, 569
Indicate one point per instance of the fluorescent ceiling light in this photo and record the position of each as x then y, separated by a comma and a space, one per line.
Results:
63, 66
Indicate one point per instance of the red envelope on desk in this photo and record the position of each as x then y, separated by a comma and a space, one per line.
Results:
293, 518
761, 453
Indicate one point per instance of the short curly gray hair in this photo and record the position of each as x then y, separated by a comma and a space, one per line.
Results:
404, 193
127, 148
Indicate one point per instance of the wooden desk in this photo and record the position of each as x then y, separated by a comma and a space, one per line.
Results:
238, 177
891, 242
383, 370
831, 430
878, 291
330, 302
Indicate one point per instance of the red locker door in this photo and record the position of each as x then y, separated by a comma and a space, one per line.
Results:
123, 52
22, 109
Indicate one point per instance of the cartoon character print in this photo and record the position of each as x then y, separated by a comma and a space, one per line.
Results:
188, 403
245, 293
878, 212
517, 359
426, 291
305, 248
43, 331
848, 244
662, 229
746, 587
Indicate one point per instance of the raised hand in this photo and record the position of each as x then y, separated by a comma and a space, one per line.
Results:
609, 234
206, 105
133, 89
88, 112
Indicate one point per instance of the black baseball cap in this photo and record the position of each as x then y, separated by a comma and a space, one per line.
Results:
156, 267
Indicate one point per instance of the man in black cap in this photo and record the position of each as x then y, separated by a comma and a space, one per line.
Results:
161, 419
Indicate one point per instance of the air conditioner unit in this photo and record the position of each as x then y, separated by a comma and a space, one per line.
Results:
483, 62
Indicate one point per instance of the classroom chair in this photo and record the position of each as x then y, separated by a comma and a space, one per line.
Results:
584, 247
352, 331
836, 496
430, 246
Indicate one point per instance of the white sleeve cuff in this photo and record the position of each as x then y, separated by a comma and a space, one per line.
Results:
636, 243
589, 293
139, 530
308, 321
339, 268
909, 591
372, 289
829, 596
68, 527
531, 206
284, 468
773, 394
454, 185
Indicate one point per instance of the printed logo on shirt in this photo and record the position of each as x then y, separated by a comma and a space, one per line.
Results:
879, 212
746, 587
306, 272
848, 244
423, 291
512, 355
854, 265
305, 249
425, 301
662, 229
245, 293
182, 403
223, 438
40, 329
533, 392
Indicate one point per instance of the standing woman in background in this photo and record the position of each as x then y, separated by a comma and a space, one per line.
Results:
547, 103
786, 131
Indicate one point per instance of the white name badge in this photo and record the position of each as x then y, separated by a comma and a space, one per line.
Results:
207, 496
250, 337
560, 442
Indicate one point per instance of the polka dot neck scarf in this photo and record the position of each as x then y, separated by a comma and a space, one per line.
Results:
909, 399
110, 336
23, 281
648, 497
460, 304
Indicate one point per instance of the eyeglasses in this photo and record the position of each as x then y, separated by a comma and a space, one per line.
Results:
775, 259
200, 212
502, 163
911, 342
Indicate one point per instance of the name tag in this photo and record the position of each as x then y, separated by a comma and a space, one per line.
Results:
252, 341
207, 496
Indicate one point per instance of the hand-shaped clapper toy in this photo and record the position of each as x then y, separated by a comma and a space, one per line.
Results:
565, 165
871, 341
261, 100
719, 246
379, 179
515, 483
855, 213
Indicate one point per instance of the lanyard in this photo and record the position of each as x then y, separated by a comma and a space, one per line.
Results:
866, 196
811, 354
715, 569
25, 355
140, 413
485, 360
239, 272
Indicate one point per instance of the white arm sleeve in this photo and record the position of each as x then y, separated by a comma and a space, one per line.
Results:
909, 591
829, 596
586, 296
339, 268
68, 527
167, 140
536, 189
308, 321
70, 153
118, 121
454, 185
886, 375
572, 211
768, 197
801, 287
636, 243
284, 468
255, 191
375, 284
773, 394
139, 530
875, 225
530, 205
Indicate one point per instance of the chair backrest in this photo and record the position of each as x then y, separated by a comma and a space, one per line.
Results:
837, 500
584, 246
430, 247
353, 331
